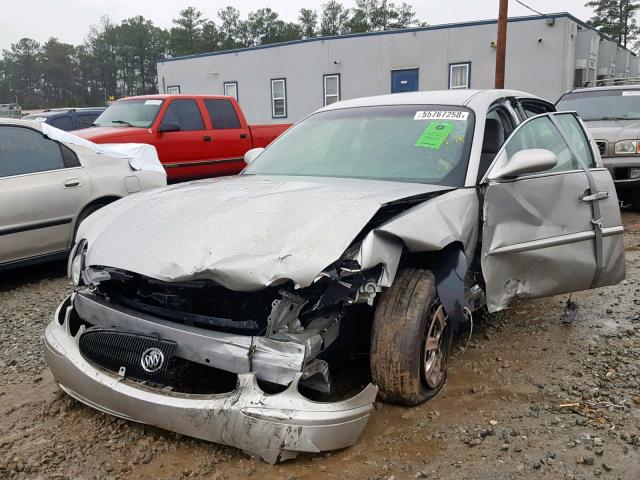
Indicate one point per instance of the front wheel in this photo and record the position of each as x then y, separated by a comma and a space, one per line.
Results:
410, 340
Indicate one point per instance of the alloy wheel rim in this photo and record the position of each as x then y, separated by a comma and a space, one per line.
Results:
434, 352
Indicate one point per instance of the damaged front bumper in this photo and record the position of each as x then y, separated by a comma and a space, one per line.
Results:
273, 427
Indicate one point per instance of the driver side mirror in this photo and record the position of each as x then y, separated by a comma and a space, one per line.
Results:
533, 160
252, 154
169, 127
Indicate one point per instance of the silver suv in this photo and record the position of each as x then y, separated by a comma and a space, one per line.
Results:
612, 116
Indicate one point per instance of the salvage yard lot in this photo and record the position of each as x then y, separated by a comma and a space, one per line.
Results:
499, 416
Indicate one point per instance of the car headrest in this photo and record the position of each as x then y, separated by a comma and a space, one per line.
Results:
493, 136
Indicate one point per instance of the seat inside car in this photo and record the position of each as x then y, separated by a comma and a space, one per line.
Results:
493, 139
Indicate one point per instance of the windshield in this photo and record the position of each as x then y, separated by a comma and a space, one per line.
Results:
132, 113
603, 104
407, 143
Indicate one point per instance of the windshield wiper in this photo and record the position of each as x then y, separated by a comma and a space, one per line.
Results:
123, 122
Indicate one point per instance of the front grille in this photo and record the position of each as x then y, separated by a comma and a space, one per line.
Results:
114, 349
602, 147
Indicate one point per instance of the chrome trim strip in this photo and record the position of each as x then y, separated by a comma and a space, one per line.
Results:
36, 226
555, 241
199, 163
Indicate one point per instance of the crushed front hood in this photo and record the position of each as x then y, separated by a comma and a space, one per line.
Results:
243, 232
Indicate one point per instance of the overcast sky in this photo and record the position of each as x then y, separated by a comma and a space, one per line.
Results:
69, 20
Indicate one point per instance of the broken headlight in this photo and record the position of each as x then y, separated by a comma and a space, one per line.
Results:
76, 262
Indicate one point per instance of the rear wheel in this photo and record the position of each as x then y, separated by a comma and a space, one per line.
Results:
410, 340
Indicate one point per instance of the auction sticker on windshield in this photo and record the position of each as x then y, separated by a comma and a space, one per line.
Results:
153, 102
441, 115
434, 135
631, 93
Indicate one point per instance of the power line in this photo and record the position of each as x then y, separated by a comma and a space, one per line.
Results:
528, 7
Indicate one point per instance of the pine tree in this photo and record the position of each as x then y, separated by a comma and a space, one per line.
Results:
615, 18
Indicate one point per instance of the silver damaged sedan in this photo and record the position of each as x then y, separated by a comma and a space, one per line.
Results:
222, 308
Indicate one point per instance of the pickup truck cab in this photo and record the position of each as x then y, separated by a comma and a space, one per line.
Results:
196, 136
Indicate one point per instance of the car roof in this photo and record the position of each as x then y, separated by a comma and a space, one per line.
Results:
601, 89
64, 111
436, 97
22, 123
165, 96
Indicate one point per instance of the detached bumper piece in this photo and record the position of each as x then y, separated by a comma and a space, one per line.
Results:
273, 427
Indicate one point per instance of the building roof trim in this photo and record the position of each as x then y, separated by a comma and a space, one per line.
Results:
443, 26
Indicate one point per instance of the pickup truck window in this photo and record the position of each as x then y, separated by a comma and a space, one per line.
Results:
406, 143
602, 104
222, 114
132, 113
185, 113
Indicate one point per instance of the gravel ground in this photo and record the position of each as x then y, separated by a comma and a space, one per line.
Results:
529, 398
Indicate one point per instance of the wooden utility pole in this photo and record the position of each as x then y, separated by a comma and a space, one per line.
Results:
501, 49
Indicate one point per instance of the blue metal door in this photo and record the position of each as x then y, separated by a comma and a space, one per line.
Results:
404, 80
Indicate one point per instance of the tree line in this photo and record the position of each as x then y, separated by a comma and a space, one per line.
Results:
117, 60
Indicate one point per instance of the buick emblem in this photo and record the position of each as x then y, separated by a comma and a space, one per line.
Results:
152, 360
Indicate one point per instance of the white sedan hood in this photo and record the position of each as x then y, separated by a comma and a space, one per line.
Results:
244, 232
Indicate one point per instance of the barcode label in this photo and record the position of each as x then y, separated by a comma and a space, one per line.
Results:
441, 115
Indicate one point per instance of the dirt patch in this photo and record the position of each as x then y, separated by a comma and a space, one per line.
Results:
529, 398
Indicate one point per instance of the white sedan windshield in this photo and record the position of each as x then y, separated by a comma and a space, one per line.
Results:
409, 143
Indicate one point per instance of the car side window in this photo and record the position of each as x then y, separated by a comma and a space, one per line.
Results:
86, 119
63, 123
24, 151
575, 134
532, 108
184, 112
497, 129
223, 115
541, 133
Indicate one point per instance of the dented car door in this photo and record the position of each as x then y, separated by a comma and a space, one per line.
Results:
551, 222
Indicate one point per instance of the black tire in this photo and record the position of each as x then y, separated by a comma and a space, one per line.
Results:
399, 352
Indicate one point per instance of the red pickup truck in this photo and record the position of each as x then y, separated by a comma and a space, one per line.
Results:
196, 136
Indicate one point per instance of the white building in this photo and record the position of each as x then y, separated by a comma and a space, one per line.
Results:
546, 55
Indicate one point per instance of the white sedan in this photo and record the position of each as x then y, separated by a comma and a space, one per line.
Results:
51, 180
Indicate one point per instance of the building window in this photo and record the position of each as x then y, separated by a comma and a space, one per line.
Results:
231, 89
459, 75
331, 89
279, 98
173, 89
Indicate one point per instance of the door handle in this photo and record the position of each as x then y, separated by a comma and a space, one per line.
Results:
595, 196
72, 182
243, 135
207, 138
